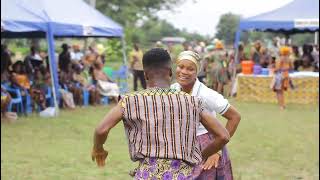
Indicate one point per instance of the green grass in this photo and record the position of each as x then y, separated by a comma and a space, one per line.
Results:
269, 144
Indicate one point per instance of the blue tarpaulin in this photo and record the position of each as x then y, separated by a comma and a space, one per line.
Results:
55, 18
297, 16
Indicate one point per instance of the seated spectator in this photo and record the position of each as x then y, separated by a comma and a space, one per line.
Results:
315, 55
67, 97
82, 78
5, 101
104, 84
76, 54
68, 83
19, 76
295, 56
39, 88
306, 64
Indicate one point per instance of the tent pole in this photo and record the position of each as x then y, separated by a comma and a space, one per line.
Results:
53, 67
123, 43
124, 51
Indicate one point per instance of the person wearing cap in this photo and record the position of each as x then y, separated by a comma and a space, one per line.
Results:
219, 164
160, 124
281, 81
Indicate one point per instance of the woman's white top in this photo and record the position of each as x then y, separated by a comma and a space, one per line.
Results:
213, 101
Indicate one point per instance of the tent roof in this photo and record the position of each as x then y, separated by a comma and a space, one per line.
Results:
66, 18
297, 16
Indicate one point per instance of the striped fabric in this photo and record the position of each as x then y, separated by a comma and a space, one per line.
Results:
162, 123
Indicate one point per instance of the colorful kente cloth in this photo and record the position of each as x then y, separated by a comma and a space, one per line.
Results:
162, 123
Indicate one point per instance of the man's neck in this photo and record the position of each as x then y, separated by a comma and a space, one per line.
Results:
158, 83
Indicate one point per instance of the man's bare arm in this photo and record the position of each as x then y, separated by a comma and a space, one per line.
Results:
101, 133
108, 122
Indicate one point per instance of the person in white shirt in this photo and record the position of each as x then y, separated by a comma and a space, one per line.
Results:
218, 166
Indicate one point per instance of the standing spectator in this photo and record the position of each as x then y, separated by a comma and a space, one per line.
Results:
5, 59
220, 67
137, 68
32, 61
281, 80
274, 49
255, 52
5, 63
64, 58
265, 58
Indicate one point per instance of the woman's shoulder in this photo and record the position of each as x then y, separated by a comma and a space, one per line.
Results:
175, 86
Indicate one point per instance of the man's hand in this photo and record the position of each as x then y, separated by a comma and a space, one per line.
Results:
99, 156
212, 161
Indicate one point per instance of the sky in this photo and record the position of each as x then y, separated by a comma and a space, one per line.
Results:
202, 16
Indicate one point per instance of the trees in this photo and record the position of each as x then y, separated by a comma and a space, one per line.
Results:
129, 12
227, 27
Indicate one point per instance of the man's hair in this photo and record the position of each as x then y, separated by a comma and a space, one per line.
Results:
156, 58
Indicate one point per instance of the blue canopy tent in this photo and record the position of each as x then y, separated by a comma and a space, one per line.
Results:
58, 18
295, 17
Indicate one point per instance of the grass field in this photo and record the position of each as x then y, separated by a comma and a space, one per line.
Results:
269, 144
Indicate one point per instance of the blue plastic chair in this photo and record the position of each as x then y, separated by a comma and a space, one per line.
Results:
85, 94
122, 77
104, 100
17, 101
49, 97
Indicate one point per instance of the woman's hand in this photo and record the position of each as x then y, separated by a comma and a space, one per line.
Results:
212, 161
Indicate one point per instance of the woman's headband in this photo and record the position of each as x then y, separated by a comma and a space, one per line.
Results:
191, 56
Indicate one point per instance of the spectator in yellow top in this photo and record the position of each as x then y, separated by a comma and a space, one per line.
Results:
136, 66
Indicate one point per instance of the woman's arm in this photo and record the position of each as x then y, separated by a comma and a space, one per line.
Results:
233, 117
220, 133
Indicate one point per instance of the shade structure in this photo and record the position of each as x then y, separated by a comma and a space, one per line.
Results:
295, 17
55, 18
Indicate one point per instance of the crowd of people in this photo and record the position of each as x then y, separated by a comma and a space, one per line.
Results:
219, 64
77, 72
